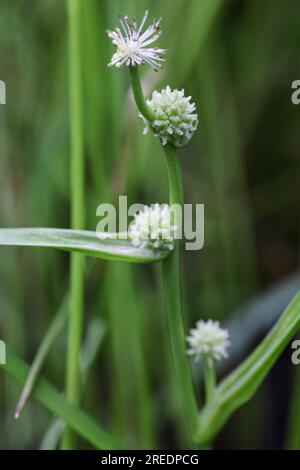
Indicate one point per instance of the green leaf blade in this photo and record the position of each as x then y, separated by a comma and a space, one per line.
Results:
243, 382
82, 241
46, 394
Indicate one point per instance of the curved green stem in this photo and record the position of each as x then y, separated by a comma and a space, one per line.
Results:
138, 94
171, 278
73, 379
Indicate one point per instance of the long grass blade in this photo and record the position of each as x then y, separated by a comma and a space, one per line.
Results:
46, 394
81, 241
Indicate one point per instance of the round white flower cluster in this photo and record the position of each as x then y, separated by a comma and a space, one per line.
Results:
152, 228
208, 341
175, 118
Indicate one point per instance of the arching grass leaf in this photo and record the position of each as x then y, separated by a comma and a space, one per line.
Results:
82, 241
243, 382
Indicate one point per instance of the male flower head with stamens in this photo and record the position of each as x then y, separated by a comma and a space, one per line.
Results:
133, 44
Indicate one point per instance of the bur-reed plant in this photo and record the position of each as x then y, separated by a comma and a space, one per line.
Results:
208, 341
132, 51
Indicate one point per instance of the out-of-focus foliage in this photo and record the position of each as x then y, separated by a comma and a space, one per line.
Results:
237, 59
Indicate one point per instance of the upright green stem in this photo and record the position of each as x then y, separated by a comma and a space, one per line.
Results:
73, 378
172, 287
176, 195
171, 278
209, 381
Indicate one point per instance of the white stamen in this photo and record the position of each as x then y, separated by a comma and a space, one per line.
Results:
132, 45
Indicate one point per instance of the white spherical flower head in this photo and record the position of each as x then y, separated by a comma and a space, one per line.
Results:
175, 119
133, 44
152, 227
208, 341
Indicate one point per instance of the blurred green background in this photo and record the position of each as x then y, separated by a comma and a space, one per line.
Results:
237, 58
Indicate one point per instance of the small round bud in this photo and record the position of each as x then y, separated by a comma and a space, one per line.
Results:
152, 228
175, 118
208, 341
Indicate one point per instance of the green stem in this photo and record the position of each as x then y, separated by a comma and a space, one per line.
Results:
176, 195
293, 425
172, 287
138, 94
171, 278
209, 381
73, 378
